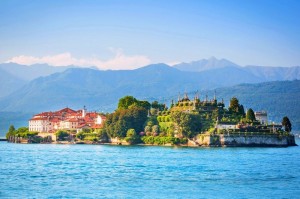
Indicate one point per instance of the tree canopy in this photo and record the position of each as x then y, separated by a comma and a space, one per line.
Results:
286, 124
157, 105
118, 123
189, 124
235, 107
250, 116
126, 101
129, 101
11, 129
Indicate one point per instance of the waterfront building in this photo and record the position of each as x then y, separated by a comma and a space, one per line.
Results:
261, 116
65, 119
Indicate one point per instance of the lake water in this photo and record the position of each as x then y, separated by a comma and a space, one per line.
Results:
98, 171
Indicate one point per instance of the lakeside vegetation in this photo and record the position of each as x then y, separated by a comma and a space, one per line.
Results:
142, 122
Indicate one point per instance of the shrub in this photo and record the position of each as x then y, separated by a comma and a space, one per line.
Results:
61, 135
132, 137
160, 140
147, 129
148, 133
155, 129
159, 118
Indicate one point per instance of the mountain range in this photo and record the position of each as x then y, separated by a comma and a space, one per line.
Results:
206, 73
14, 76
41, 87
263, 73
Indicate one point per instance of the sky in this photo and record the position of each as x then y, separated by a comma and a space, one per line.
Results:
126, 34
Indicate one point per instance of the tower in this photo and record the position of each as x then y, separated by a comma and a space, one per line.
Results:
215, 97
83, 111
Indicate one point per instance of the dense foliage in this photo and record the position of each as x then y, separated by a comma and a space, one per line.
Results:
21, 132
286, 124
250, 116
188, 125
235, 107
128, 101
119, 122
132, 137
62, 135
158, 140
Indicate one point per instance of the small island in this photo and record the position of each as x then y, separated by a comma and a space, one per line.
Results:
188, 122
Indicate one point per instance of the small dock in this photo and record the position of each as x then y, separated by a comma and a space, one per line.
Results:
3, 139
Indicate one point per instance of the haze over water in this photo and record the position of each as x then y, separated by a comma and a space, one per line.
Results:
98, 171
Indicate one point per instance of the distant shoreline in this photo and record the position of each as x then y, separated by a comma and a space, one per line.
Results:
202, 141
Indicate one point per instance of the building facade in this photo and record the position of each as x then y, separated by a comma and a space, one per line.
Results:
261, 116
65, 119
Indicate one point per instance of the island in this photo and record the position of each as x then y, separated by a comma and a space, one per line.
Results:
188, 122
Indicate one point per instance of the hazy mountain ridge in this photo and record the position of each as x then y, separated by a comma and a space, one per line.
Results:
205, 64
263, 73
79, 86
279, 99
14, 76
100, 90
9, 83
31, 72
274, 73
213, 73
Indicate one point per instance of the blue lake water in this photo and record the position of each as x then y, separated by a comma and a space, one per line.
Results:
97, 171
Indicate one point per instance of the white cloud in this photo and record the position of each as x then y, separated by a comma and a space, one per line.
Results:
172, 63
118, 62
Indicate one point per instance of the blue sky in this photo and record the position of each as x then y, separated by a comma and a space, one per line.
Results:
126, 34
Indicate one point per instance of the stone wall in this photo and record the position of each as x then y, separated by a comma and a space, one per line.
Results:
246, 140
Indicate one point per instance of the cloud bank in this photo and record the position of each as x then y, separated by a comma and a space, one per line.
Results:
118, 62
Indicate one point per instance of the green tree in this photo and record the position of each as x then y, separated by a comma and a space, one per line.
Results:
147, 129
121, 120
80, 135
234, 105
102, 134
155, 129
11, 132
241, 110
286, 124
126, 101
189, 124
61, 135
11, 129
132, 137
157, 105
250, 116
145, 104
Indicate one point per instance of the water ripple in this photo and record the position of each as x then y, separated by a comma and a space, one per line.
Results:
93, 171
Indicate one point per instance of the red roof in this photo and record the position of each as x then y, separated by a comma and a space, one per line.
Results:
42, 118
73, 120
66, 110
71, 115
97, 126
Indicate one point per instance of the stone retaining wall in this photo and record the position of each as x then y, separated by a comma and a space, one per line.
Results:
246, 140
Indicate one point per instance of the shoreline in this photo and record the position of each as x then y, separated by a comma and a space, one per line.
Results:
203, 141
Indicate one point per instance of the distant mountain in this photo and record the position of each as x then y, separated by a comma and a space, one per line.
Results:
101, 89
263, 73
14, 76
266, 73
205, 64
28, 73
279, 98
9, 83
